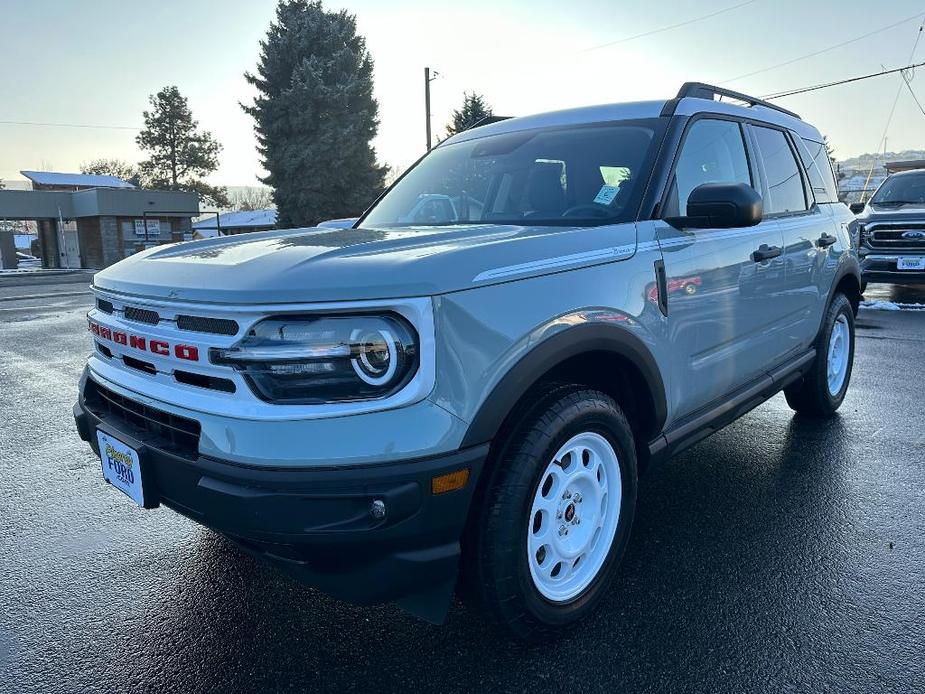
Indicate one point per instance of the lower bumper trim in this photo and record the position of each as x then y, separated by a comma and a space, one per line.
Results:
316, 524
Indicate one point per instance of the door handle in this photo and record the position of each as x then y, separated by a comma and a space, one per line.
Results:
765, 252
826, 240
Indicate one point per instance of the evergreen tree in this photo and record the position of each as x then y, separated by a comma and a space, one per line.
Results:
113, 167
473, 110
180, 154
315, 115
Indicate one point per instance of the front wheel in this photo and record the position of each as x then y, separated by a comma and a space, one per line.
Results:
821, 391
558, 513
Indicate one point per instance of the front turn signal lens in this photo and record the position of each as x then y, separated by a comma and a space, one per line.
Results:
449, 482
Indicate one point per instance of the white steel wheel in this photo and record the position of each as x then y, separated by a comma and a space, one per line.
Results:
838, 354
574, 517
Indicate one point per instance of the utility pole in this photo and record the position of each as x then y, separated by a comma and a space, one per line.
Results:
427, 80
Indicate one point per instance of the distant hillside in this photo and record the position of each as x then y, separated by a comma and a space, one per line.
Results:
864, 161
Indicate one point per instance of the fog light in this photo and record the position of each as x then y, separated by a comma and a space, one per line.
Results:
449, 482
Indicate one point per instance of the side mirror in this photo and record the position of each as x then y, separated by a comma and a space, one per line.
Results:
721, 206
857, 207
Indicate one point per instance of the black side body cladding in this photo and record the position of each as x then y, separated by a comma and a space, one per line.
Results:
712, 418
552, 352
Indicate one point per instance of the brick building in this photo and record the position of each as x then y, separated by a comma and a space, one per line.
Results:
93, 221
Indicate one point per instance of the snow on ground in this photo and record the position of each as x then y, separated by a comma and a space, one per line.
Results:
880, 305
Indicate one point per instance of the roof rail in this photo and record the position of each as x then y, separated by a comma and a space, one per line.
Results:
699, 90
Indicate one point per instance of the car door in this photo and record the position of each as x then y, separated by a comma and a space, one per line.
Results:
720, 293
804, 226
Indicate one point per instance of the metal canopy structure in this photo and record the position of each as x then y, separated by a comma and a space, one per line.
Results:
95, 227
96, 202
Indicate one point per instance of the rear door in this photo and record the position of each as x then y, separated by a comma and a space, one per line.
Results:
720, 299
789, 200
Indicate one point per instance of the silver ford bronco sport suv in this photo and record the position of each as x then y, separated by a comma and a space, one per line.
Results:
462, 388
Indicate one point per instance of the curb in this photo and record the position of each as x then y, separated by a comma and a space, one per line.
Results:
29, 297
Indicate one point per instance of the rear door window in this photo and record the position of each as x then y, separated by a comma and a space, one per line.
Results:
786, 193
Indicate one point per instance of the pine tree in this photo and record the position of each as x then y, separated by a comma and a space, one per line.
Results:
473, 110
315, 115
180, 154
113, 167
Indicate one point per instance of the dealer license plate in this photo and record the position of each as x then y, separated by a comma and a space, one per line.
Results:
121, 467
910, 263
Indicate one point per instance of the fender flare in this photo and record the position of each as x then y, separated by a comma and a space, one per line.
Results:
554, 350
849, 267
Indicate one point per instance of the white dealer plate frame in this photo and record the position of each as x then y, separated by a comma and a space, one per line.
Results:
910, 263
121, 467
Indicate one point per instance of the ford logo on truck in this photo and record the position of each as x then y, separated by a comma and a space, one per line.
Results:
914, 235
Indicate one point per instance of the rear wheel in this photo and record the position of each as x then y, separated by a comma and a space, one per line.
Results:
558, 512
821, 391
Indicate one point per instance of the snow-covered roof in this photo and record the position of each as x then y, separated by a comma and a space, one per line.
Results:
239, 220
53, 178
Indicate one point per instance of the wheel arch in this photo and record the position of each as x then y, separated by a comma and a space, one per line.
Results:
605, 356
849, 283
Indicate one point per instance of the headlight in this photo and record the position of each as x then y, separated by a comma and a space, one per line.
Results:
305, 360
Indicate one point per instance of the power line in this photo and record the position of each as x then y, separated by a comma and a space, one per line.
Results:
68, 125
912, 93
669, 27
886, 129
803, 90
824, 50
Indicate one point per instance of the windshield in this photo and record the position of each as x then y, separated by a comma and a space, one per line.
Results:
899, 190
581, 175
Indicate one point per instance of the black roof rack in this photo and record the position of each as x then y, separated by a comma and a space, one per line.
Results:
699, 90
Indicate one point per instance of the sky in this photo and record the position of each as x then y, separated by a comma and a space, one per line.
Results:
95, 62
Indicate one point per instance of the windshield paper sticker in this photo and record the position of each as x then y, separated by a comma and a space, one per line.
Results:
606, 195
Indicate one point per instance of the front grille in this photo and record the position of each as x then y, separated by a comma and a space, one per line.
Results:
139, 365
164, 430
202, 381
201, 324
891, 238
141, 315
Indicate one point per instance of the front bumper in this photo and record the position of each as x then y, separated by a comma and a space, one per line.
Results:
316, 524
880, 267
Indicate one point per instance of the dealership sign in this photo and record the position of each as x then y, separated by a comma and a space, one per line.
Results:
154, 227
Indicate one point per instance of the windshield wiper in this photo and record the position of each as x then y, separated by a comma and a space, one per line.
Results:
897, 202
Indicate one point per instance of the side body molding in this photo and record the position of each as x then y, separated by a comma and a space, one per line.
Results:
554, 350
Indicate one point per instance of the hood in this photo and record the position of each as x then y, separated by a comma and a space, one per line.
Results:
311, 265
885, 213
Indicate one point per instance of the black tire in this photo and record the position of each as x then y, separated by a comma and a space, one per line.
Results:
499, 551
811, 395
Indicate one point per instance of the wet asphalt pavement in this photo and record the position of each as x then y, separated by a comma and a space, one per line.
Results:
778, 555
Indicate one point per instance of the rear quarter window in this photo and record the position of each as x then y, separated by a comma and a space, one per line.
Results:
819, 169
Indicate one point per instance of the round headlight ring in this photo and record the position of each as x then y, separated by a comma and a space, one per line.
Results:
375, 366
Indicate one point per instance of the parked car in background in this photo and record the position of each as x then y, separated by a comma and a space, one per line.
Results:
26, 261
458, 394
891, 230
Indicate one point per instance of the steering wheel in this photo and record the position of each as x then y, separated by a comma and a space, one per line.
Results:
589, 209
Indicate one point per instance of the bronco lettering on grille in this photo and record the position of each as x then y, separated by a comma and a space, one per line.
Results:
143, 344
